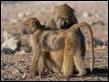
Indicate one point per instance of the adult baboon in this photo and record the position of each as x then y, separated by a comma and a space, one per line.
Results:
63, 18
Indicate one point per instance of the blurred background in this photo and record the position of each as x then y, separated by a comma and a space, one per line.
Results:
13, 14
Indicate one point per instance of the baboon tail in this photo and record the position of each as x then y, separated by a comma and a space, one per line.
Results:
90, 33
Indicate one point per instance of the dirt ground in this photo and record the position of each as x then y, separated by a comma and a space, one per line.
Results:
15, 64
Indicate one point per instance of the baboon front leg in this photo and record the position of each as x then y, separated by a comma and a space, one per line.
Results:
79, 64
41, 64
34, 64
68, 66
68, 62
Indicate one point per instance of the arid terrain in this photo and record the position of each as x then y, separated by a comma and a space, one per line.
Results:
16, 49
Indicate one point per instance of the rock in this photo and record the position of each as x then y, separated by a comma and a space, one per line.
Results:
15, 71
7, 51
86, 14
24, 75
21, 15
27, 13
98, 42
10, 43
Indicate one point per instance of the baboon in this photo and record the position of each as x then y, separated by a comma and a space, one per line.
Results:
63, 18
44, 40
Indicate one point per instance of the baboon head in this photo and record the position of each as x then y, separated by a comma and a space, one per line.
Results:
64, 16
31, 25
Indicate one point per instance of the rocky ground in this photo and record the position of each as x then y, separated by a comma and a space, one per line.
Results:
16, 50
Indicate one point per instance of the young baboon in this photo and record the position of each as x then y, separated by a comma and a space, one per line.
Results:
45, 40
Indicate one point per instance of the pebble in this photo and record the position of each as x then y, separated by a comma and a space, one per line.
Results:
86, 14
10, 43
27, 13
24, 75
15, 71
21, 15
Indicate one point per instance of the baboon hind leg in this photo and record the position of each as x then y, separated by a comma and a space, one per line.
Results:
68, 66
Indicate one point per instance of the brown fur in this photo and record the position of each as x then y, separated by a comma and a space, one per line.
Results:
63, 18
67, 41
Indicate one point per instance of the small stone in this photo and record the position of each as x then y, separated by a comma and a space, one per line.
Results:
85, 14
27, 13
24, 75
10, 43
21, 15
15, 71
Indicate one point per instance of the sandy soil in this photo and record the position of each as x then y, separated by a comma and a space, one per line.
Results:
15, 66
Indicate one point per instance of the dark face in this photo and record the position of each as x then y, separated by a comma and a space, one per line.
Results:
64, 16
64, 23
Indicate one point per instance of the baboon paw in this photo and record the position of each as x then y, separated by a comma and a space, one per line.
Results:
67, 75
32, 74
81, 74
